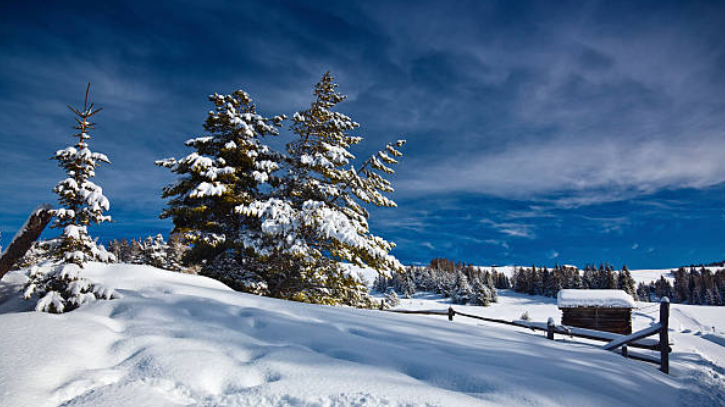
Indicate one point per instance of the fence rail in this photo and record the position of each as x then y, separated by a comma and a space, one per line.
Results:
614, 341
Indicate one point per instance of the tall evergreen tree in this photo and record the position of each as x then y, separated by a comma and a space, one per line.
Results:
316, 219
228, 169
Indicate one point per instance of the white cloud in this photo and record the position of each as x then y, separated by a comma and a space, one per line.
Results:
585, 172
512, 229
428, 245
497, 242
583, 116
609, 225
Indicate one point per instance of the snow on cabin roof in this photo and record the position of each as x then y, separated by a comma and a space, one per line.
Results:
594, 298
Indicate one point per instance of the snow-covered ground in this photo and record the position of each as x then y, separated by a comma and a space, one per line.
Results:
697, 333
647, 276
177, 339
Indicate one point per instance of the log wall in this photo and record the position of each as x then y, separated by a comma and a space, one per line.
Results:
616, 320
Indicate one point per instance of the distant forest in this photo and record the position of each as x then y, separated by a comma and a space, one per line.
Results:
548, 282
467, 284
462, 283
693, 285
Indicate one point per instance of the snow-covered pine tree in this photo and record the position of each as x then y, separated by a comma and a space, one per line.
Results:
114, 247
175, 252
462, 292
391, 298
316, 220
82, 202
493, 294
626, 282
135, 252
227, 170
407, 284
537, 285
61, 287
40, 251
480, 293
154, 251
380, 284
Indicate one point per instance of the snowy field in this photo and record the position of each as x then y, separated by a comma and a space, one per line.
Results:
177, 339
697, 332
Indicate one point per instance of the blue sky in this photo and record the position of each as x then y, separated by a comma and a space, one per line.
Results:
539, 132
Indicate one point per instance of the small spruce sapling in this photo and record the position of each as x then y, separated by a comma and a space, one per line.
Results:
59, 283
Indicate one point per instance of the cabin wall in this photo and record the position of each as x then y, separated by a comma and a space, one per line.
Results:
616, 320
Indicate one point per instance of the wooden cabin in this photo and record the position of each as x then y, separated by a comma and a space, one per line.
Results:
602, 310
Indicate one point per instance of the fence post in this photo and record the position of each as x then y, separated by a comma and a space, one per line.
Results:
550, 328
664, 335
625, 352
451, 313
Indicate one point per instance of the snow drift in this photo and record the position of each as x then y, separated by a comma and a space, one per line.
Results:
176, 339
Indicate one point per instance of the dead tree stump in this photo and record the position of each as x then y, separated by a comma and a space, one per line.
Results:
25, 237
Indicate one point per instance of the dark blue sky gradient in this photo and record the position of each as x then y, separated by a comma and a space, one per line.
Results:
539, 132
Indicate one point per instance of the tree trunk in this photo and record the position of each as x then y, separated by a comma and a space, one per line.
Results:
25, 237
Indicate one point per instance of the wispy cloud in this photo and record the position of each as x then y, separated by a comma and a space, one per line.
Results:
532, 118
580, 115
497, 242
609, 224
588, 173
512, 229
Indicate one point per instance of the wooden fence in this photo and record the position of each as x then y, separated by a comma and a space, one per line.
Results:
614, 341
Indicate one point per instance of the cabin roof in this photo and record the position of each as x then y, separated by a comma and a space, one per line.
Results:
594, 299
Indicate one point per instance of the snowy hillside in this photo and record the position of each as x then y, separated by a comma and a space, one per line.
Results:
696, 332
178, 339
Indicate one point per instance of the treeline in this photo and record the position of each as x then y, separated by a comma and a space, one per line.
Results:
713, 264
152, 251
462, 283
542, 281
692, 286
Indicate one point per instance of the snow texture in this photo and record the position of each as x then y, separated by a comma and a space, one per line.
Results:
177, 339
595, 298
697, 336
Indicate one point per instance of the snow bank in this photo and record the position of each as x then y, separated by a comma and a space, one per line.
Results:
177, 339
594, 298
